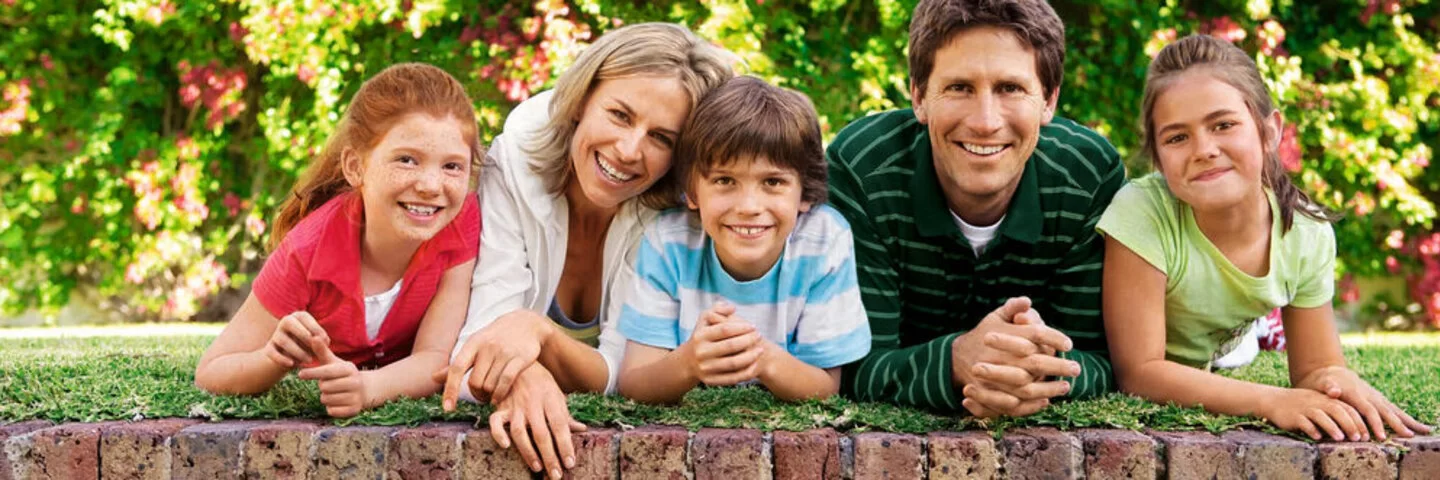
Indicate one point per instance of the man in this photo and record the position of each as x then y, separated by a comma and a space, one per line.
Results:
974, 220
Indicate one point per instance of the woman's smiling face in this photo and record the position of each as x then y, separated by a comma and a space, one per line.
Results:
625, 136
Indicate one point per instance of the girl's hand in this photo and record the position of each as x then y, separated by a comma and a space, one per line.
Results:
342, 385
1311, 412
290, 345
497, 354
723, 350
1343, 384
536, 408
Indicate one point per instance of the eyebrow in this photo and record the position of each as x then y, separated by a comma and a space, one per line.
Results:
631, 112
1208, 118
422, 153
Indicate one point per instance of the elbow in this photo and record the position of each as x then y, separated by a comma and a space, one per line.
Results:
1133, 377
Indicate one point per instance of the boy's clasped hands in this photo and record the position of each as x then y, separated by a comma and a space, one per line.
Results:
300, 342
724, 349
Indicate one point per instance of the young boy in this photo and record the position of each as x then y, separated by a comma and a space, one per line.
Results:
755, 281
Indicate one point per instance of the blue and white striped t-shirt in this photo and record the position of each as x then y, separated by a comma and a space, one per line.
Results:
808, 303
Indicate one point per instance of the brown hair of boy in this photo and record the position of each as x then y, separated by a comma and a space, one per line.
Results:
382, 101
745, 119
935, 22
1231, 65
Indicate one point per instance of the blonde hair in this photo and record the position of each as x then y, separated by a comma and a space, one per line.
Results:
656, 49
1226, 63
382, 100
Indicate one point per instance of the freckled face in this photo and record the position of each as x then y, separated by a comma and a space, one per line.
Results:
626, 136
414, 182
1207, 142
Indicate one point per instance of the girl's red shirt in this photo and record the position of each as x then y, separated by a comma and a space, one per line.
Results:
316, 269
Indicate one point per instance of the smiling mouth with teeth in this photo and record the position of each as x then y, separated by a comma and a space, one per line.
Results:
422, 210
748, 231
612, 172
983, 149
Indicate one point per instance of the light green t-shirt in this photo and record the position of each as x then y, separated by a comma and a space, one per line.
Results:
1208, 302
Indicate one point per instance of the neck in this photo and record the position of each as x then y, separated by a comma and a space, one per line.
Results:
386, 257
585, 214
1240, 223
981, 211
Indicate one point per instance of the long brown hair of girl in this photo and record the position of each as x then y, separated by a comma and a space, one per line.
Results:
1231, 65
382, 100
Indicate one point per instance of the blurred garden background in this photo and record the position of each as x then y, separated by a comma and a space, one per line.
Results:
145, 144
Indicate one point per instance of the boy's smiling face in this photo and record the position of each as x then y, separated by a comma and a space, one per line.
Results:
748, 207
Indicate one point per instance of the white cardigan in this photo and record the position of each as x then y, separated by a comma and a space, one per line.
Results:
523, 239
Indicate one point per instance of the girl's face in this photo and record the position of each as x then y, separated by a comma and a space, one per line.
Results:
1208, 144
625, 137
414, 181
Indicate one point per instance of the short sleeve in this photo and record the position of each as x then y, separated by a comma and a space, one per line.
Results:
1316, 285
282, 286
651, 311
833, 329
1139, 219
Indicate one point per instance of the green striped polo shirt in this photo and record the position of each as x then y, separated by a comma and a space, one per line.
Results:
923, 285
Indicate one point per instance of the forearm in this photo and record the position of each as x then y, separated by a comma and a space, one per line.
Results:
918, 376
576, 366
1163, 381
792, 380
1096, 375
242, 373
409, 377
664, 380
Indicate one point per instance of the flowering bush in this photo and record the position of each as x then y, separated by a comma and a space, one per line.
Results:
147, 142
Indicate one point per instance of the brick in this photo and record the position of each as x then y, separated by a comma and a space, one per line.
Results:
729, 454
963, 456
1198, 455
1423, 459
209, 451
67, 451
430, 451
21, 429
595, 453
654, 453
485, 459
279, 450
808, 454
1042, 453
887, 456
1118, 454
139, 450
1271, 456
1357, 460
350, 453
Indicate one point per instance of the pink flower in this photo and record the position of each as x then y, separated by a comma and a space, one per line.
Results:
1392, 265
1290, 149
254, 226
1395, 239
1224, 28
232, 203
134, 275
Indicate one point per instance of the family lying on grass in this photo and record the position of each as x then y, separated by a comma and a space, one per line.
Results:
656, 223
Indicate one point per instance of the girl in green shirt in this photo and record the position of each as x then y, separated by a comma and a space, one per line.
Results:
1195, 252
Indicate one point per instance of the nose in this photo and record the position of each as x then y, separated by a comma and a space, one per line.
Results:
428, 181
749, 201
628, 148
1205, 147
984, 118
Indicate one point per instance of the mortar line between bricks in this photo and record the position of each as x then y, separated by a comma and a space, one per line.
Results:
689, 456
924, 456
455, 472
615, 439
767, 455
847, 457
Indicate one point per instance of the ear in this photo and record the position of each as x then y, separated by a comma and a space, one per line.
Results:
353, 166
805, 206
690, 201
917, 96
1051, 104
1275, 128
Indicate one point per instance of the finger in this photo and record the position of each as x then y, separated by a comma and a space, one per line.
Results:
322, 351
349, 384
455, 374
727, 347
1397, 425
497, 428
344, 411
731, 363
576, 426
1341, 413
1043, 335
1410, 422
329, 371
1009, 310
559, 418
287, 346
544, 442
292, 329
277, 357
1001, 375
722, 331
1042, 366
521, 437
724, 308
1322, 419
1309, 428
1042, 390
1029, 317
1371, 412
978, 410
994, 399
734, 378
1011, 344
507, 377
312, 326
1362, 433
1029, 407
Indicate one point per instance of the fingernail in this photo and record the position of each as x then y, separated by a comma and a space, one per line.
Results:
569, 462
535, 467
556, 474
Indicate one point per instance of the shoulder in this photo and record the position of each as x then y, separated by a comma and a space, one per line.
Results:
822, 231
527, 120
675, 226
316, 228
1148, 192
1312, 235
1073, 154
877, 136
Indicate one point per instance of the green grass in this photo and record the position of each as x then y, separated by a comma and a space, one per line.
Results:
96, 379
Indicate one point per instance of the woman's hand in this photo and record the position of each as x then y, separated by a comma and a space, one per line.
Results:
290, 345
1305, 410
536, 411
497, 354
1344, 385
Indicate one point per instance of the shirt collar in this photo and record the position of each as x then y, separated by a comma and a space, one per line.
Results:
932, 213
337, 258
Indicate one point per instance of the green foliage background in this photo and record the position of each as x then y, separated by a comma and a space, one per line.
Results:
145, 144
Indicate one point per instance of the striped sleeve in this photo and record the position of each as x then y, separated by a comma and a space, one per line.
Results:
651, 313
832, 329
919, 375
1074, 293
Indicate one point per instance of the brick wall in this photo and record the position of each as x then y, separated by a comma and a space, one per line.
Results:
187, 449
